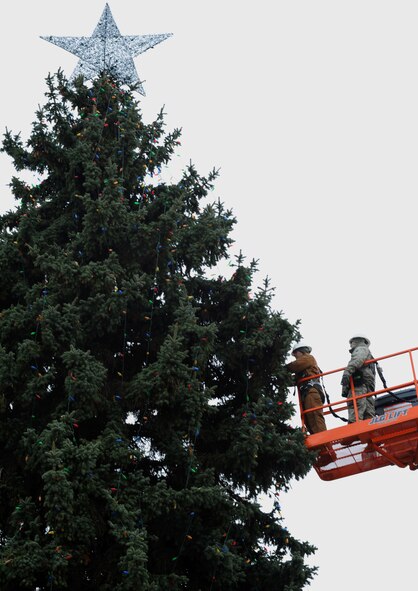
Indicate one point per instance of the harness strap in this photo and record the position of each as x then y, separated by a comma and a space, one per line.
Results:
329, 402
315, 383
382, 377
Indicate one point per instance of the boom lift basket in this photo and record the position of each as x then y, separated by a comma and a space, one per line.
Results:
390, 438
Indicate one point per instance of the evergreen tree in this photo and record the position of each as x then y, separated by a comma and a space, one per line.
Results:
143, 402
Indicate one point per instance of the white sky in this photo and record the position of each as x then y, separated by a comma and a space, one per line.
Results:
310, 109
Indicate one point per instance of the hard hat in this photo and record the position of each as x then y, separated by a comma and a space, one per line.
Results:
359, 335
301, 345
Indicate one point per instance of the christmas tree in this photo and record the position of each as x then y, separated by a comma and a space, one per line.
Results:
143, 401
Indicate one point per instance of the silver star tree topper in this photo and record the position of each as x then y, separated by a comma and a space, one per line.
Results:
108, 51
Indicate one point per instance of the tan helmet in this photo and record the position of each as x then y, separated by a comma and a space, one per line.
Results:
359, 335
301, 345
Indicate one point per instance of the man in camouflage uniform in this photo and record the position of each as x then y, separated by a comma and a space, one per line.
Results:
305, 365
364, 378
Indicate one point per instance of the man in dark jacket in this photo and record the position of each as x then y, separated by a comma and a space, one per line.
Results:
364, 378
305, 365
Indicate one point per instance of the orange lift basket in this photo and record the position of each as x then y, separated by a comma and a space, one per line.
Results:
388, 439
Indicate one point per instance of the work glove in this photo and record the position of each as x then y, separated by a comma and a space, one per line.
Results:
345, 383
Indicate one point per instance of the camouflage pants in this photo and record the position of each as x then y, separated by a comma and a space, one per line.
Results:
365, 406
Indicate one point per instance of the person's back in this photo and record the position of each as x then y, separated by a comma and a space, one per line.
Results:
304, 366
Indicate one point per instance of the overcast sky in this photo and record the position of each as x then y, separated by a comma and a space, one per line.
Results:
310, 109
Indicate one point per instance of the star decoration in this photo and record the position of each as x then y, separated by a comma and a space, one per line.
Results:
108, 51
